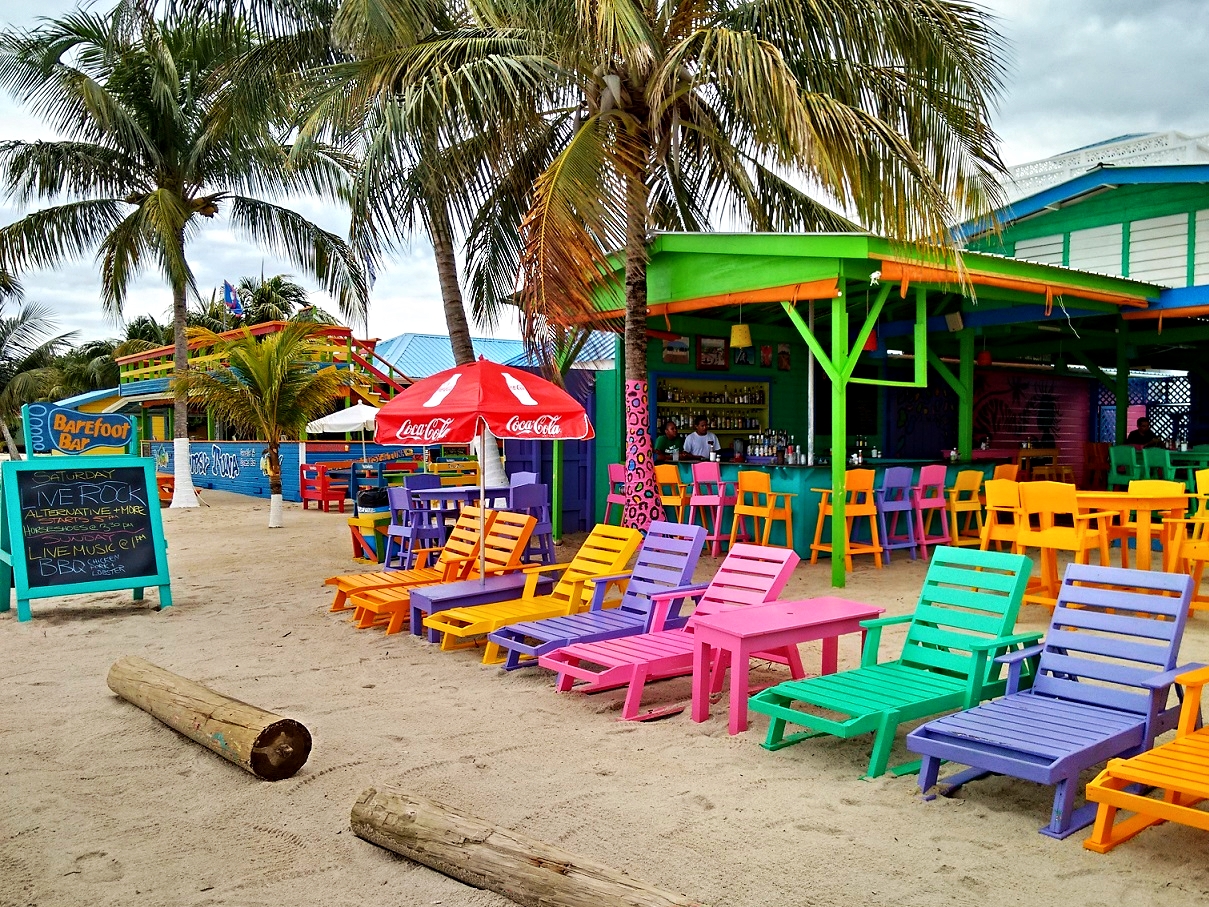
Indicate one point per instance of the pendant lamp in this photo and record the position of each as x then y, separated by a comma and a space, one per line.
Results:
740, 334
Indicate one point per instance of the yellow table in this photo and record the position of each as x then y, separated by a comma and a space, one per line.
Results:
1172, 506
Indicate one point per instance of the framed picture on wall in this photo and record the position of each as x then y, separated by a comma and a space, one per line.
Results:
713, 354
743, 355
675, 350
766, 356
783, 361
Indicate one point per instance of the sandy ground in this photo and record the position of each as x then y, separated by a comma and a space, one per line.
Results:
103, 805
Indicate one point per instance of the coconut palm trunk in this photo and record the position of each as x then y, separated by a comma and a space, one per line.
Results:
275, 489
9, 443
183, 494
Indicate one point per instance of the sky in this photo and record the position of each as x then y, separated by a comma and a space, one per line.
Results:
1079, 71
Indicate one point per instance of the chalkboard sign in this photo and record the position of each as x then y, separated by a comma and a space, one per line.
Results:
89, 525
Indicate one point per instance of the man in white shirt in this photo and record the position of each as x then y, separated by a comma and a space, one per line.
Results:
701, 441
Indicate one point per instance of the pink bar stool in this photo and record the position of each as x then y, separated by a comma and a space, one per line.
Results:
712, 496
930, 503
616, 491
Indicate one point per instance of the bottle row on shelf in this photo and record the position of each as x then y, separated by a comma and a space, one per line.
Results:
746, 394
718, 421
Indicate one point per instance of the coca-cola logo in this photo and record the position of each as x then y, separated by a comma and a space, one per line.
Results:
432, 430
542, 426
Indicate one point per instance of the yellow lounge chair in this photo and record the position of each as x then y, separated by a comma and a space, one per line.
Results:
1178, 773
453, 560
503, 546
605, 552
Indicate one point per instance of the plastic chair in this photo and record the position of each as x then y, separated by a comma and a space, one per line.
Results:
712, 496
1123, 466
894, 498
858, 502
616, 492
757, 500
533, 499
412, 526
963, 498
1009, 471
1002, 514
928, 497
522, 478
1046, 502
673, 493
1156, 464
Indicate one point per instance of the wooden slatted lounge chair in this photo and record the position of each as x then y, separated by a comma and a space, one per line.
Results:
1177, 771
750, 575
1100, 690
666, 560
503, 548
605, 552
967, 610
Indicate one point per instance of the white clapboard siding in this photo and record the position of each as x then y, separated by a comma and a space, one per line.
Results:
1045, 250
1201, 269
1158, 250
1097, 249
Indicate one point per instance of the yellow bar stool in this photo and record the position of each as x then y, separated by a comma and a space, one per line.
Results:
963, 498
673, 494
1041, 506
1003, 514
858, 502
756, 500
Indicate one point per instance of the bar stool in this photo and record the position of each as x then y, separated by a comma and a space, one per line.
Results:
858, 502
757, 500
894, 498
412, 527
963, 498
1095, 464
1003, 514
1046, 501
616, 491
1009, 471
928, 496
712, 496
673, 493
533, 500
1156, 464
1055, 472
1123, 467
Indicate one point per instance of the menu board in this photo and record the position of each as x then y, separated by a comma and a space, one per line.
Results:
91, 524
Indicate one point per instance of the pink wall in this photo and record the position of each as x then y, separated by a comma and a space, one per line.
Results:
1051, 411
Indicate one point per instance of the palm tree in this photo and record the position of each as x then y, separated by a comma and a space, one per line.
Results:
164, 129
27, 355
270, 299
268, 388
675, 115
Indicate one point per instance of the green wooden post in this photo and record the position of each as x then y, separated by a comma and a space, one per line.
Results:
839, 439
556, 494
1122, 383
965, 412
210, 424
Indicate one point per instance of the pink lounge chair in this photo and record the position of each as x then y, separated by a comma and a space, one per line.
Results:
750, 575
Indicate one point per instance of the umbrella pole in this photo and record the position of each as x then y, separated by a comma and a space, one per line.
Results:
482, 507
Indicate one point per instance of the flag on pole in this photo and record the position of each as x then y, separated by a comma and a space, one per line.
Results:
231, 298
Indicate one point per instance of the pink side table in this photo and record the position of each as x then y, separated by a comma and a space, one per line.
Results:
743, 632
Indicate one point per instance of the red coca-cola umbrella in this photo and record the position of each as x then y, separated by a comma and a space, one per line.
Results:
460, 404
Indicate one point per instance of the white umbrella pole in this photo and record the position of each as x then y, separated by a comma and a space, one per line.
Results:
482, 507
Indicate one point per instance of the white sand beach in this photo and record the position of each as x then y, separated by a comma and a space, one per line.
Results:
101, 804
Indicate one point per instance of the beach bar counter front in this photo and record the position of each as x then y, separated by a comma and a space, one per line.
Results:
859, 348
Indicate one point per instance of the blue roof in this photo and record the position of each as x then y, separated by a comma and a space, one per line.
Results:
599, 345
421, 355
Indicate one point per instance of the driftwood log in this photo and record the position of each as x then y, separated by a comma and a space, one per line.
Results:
470, 850
267, 745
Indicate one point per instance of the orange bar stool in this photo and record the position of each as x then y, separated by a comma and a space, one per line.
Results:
1009, 471
616, 491
963, 498
1052, 505
928, 496
673, 494
1003, 514
711, 496
858, 502
757, 501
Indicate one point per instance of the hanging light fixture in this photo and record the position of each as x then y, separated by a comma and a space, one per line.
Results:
740, 334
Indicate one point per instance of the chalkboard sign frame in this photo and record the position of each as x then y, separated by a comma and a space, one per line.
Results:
14, 568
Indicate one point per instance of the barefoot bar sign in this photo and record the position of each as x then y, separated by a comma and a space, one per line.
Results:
51, 429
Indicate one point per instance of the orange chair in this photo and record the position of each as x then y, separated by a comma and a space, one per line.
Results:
1052, 505
757, 501
964, 498
1009, 471
858, 502
1003, 514
616, 491
673, 494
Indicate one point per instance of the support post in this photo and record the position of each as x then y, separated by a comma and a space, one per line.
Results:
1122, 393
556, 493
810, 388
965, 404
839, 440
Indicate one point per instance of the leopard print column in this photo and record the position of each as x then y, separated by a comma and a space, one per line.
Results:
642, 504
